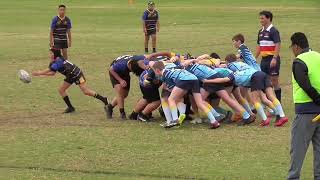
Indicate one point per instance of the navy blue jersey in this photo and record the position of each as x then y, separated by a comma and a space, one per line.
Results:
65, 67
267, 38
120, 65
151, 19
60, 27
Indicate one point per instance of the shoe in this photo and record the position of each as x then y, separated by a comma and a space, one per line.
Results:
269, 114
182, 117
196, 121
254, 111
170, 125
69, 110
133, 116
123, 116
236, 117
215, 125
150, 116
266, 122
221, 118
229, 115
109, 110
250, 120
281, 121
161, 112
143, 118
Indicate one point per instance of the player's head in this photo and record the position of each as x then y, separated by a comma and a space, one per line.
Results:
231, 58
215, 55
151, 5
54, 53
135, 68
62, 10
299, 42
157, 67
237, 40
265, 17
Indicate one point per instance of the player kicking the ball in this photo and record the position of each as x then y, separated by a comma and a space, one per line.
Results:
73, 74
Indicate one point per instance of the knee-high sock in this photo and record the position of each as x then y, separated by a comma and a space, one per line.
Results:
174, 112
260, 111
246, 105
182, 108
278, 108
278, 93
212, 110
166, 111
210, 115
245, 114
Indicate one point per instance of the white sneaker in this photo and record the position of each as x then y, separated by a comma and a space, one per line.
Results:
196, 121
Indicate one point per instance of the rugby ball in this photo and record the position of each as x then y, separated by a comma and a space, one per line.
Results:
24, 76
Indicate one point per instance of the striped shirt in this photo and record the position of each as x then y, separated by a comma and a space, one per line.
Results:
267, 38
248, 57
151, 19
60, 27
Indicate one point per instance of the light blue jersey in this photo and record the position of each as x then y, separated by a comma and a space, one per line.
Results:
242, 73
171, 77
223, 72
248, 57
201, 71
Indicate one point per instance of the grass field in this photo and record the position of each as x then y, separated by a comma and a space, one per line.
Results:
38, 142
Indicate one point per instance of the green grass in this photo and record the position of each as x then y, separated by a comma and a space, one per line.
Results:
38, 142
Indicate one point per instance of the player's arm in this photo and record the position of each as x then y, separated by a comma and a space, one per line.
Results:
217, 80
158, 25
115, 75
52, 26
153, 55
69, 33
144, 18
188, 62
44, 73
204, 56
257, 51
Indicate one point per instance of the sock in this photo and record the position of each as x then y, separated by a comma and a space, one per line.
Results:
121, 110
210, 116
245, 115
154, 50
110, 106
174, 112
252, 107
278, 108
182, 108
146, 50
220, 110
278, 93
101, 98
260, 111
246, 105
67, 101
166, 111
213, 111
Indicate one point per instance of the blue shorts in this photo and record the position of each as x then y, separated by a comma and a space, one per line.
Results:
189, 85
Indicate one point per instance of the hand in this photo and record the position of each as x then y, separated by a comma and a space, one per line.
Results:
69, 43
273, 62
123, 83
51, 44
144, 30
158, 29
205, 81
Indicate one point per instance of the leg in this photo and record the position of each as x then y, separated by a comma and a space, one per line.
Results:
256, 100
151, 107
65, 53
154, 42
316, 152
201, 105
278, 108
175, 96
62, 91
301, 133
241, 99
233, 103
146, 43
276, 86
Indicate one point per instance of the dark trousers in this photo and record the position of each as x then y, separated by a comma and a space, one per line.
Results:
303, 131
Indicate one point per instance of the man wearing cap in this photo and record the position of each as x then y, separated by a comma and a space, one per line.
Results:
151, 26
306, 96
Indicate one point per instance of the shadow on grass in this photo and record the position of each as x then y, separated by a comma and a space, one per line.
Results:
98, 172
